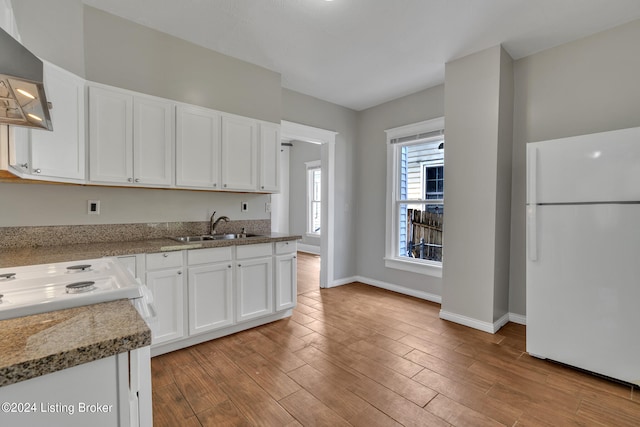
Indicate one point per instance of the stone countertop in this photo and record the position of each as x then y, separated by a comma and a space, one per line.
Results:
40, 344
14, 257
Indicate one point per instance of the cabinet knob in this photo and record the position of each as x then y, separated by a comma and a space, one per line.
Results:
215, 185
137, 180
239, 265
165, 255
179, 273
37, 170
225, 185
130, 179
229, 266
24, 165
295, 256
262, 187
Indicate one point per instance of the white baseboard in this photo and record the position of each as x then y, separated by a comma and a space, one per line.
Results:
311, 249
518, 318
491, 328
397, 288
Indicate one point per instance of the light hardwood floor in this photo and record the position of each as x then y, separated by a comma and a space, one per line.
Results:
362, 356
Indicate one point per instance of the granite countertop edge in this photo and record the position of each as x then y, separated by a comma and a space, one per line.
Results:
124, 330
15, 257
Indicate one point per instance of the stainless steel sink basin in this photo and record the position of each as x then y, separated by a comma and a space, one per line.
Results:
207, 237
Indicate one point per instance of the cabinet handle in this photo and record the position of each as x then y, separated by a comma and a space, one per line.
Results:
37, 171
130, 179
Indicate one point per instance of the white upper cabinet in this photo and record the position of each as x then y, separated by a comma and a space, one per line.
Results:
152, 141
239, 153
197, 147
60, 154
269, 155
130, 138
110, 136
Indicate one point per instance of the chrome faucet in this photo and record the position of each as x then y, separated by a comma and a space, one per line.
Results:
214, 224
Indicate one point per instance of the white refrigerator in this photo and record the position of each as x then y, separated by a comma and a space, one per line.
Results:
583, 252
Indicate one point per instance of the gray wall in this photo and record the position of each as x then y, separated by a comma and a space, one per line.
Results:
589, 85
311, 111
124, 54
371, 184
52, 204
470, 175
127, 55
300, 153
53, 30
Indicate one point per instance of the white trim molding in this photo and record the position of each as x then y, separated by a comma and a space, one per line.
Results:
517, 318
300, 132
491, 328
310, 249
392, 287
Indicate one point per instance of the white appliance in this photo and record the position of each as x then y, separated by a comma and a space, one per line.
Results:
42, 288
583, 252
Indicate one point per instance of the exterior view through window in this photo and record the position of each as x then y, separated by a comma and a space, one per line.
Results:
314, 178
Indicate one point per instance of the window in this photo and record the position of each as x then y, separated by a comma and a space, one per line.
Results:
415, 194
314, 201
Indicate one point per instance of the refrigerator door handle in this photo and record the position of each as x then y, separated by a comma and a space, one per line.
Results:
532, 199
532, 233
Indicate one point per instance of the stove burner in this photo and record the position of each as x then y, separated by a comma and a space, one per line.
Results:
79, 287
8, 276
79, 267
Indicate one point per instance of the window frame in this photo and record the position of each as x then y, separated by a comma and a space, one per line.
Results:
392, 258
310, 167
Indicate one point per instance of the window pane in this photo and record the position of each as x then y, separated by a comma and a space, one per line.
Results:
421, 231
315, 217
419, 164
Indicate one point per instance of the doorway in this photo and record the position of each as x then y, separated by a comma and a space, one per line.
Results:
299, 132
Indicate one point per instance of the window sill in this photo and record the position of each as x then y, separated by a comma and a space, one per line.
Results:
315, 235
434, 269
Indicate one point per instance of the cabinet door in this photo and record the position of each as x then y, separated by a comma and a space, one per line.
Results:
167, 287
254, 286
239, 153
110, 136
197, 148
269, 157
152, 141
61, 153
286, 281
210, 297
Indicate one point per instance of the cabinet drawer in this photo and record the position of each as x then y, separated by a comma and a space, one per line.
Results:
209, 255
290, 246
164, 260
254, 251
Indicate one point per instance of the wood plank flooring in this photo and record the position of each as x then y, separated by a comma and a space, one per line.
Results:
356, 355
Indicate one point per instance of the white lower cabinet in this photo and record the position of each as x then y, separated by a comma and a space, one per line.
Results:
254, 284
227, 289
165, 280
286, 268
210, 289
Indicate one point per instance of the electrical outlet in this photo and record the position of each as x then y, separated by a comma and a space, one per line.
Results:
93, 207
244, 207
267, 207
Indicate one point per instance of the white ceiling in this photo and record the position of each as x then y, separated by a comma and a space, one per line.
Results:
360, 53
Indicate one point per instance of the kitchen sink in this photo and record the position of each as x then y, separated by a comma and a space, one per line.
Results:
208, 237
